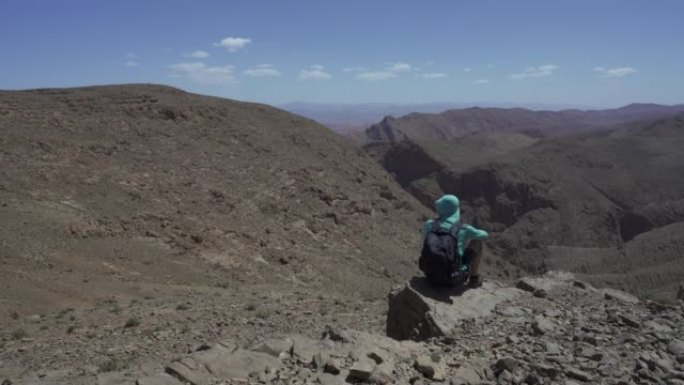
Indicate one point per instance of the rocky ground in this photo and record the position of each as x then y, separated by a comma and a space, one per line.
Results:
550, 330
76, 344
556, 330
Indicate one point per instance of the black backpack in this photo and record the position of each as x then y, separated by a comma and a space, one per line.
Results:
439, 259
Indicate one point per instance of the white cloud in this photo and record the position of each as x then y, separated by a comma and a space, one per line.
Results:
399, 67
263, 70
376, 75
467, 69
490, 65
615, 72
535, 72
391, 71
233, 44
203, 74
433, 75
314, 72
131, 55
480, 81
199, 54
131, 64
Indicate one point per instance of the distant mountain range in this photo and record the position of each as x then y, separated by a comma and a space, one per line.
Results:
458, 122
357, 116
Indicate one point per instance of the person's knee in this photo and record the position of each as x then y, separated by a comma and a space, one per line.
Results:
476, 245
470, 253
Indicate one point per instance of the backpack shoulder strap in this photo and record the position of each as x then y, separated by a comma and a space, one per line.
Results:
455, 228
435, 224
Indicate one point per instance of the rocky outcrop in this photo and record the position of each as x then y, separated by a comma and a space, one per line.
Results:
418, 311
572, 333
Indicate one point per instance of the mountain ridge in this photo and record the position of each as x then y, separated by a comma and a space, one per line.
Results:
454, 123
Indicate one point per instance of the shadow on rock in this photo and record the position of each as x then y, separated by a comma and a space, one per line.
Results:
419, 311
438, 293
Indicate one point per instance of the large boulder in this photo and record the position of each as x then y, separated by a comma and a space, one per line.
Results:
418, 311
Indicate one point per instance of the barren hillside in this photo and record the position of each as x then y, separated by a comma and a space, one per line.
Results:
119, 189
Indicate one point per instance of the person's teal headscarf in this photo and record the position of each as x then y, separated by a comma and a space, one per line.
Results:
449, 209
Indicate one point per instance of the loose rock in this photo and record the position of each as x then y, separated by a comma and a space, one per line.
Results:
629, 321
542, 326
509, 364
676, 348
620, 296
361, 370
578, 374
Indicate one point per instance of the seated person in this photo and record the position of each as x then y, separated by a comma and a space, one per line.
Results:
452, 251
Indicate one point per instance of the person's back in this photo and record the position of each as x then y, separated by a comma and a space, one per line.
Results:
468, 238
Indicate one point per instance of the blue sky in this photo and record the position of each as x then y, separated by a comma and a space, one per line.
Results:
593, 52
